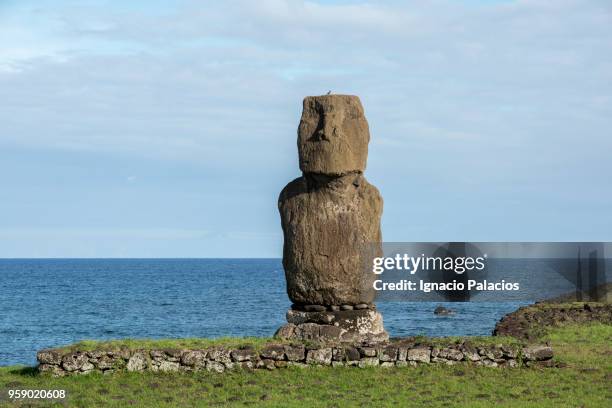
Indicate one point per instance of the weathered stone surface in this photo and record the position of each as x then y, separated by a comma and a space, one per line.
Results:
246, 354
314, 308
167, 366
49, 356
538, 353
450, 354
488, 363
329, 334
157, 355
319, 356
74, 362
333, 135
368, 351
541, 364
267, 364
338, 354
137, 362
510, 351
105, 362
351, 326
470, 353
388, 353
173, 354
53, 369
286, 331
273, 352
299, 317
194, 358
327, 223
295, 352
351, 354
492, 353
305, 332
220, 354
420, 354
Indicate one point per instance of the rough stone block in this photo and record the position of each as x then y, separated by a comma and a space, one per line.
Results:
246, 354
137, 362
420, 354
194, 358
49, 356
320, 356
295, 352
273, 352
388, 353
537, 353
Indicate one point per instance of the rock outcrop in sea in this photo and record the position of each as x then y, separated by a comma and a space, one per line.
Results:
331, 219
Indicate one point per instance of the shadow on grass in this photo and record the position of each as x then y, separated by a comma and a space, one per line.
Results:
25, 371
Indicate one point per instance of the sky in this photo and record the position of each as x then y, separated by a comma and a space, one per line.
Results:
168, 128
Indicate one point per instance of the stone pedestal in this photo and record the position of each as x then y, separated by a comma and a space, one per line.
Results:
345, 326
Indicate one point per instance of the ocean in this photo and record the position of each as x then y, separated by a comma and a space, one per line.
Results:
53, 302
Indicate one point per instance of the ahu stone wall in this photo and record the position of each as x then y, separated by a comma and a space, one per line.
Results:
396, 353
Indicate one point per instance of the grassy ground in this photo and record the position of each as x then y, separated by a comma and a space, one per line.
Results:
585, 381
254, 342
195, 343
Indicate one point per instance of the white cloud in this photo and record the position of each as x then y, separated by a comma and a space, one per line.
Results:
103, 233
211, 81
512, 99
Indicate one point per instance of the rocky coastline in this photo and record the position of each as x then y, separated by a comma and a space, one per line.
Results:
530, 322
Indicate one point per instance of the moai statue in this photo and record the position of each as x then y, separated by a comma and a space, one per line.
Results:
330, 217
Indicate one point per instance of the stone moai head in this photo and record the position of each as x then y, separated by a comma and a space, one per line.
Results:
333, 135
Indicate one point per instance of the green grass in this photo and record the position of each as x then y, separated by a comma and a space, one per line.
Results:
254, 342
188, 343
586, 380
583, 346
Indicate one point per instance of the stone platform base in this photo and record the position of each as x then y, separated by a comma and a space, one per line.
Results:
409, 352
345, 326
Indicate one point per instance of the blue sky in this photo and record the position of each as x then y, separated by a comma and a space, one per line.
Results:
167, 129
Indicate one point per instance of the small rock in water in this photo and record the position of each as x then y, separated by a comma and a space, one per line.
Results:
314, 308
346, 307
443, 311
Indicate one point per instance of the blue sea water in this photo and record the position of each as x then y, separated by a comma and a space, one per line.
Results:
53, 302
